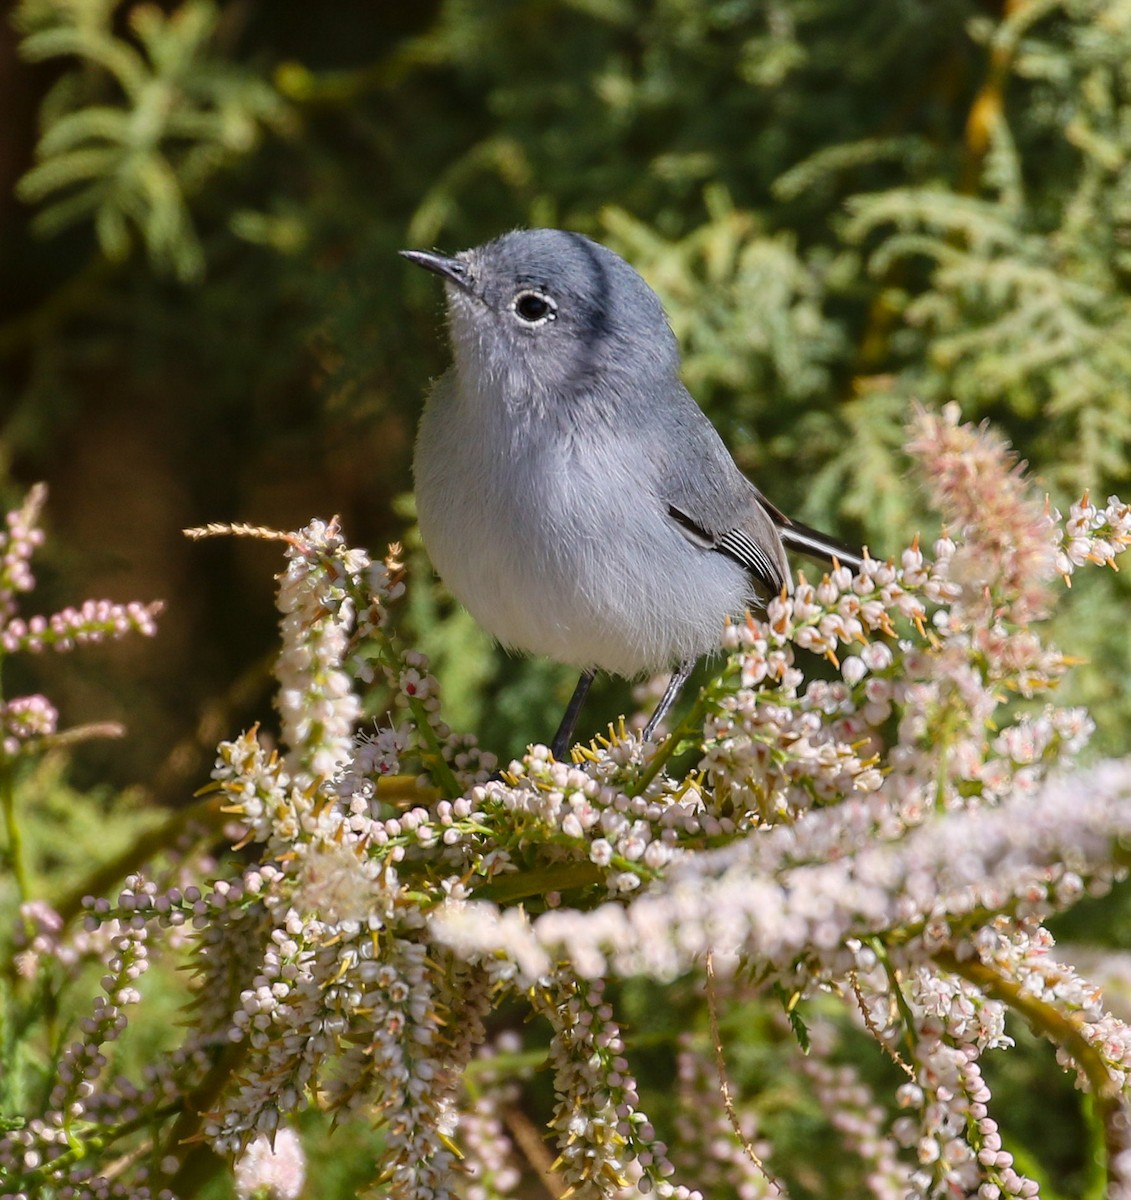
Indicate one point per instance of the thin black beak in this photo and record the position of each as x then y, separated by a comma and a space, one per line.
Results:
452, 269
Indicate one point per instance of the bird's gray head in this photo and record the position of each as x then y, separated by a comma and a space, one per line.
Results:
543, 315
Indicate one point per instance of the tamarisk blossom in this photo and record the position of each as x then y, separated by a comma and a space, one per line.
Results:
1007, 557
24, 718
21, 536
272, 1168
490, 1165
900, 821
28, 722
84, 1093
93, 621
316, 700
607, 1144
797, 898
889, 837
706, 1148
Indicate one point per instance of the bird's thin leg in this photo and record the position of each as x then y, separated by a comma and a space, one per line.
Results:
559, 747
670, 696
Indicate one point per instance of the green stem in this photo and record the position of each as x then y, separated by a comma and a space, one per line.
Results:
1095, 1181
880, 950
13, 832
691, 724
435, 761
199, 1162
561, 877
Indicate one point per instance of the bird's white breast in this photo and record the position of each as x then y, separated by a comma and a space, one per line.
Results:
558, 549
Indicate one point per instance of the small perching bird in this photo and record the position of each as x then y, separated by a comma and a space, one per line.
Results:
570, 491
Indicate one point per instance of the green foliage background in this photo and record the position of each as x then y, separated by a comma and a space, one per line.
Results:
845, 208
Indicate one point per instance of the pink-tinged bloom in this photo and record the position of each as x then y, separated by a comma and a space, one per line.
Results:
1007, 537
24, 719
272, 1168
317, 703
19, 538
93, 621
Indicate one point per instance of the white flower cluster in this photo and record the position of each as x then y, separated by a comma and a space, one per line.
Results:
570, 815
1093, 534
352, 1007
892, 834
19, 539
606, 1144
316, 700
802, 893
272, 1168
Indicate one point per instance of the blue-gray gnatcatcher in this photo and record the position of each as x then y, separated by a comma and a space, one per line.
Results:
570, 492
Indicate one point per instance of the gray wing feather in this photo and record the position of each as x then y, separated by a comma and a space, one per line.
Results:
743, 548
713, 503
717, 508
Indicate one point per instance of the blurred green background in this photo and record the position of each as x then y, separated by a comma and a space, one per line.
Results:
846, 208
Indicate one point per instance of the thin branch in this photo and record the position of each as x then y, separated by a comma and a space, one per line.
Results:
724, 1082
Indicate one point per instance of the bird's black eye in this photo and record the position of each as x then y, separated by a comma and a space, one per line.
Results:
535, 308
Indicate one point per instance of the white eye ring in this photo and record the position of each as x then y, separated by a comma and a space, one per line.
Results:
533, 307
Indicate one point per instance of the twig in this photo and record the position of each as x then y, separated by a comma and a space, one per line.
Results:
724, 1083
528, 1140
875, 1030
